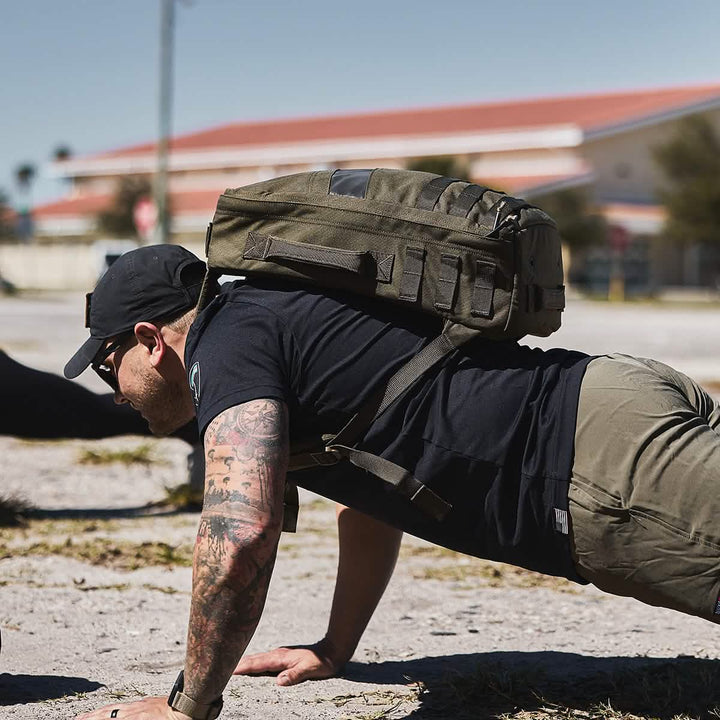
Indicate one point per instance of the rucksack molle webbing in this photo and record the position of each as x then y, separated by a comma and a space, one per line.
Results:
490, 265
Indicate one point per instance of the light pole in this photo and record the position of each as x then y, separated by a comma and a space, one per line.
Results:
167, 21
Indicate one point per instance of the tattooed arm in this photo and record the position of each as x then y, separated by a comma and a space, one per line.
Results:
246, 450
368, 552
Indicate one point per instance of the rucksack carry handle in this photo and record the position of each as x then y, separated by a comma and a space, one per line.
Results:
367, 263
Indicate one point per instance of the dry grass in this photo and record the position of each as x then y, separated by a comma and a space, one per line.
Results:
685, 689
96, 542
372, 704
140, 455
182, 497
47, 527
117, 554
447, 565
14, 511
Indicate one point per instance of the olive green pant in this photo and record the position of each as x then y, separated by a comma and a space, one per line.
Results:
644, 496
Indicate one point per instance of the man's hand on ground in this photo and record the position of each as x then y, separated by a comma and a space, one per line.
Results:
293, 664
151, 708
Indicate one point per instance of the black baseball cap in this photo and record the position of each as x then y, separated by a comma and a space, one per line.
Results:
151, 283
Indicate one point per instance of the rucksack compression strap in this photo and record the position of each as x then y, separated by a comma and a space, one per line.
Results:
431, 193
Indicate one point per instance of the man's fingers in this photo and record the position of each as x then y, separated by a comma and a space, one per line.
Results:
152, 708
269, 662
292, 677
293, 665
307, 667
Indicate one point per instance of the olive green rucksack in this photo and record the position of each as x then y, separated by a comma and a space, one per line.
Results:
490, 265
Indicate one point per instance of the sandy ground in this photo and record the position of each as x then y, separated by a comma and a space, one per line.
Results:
94, 595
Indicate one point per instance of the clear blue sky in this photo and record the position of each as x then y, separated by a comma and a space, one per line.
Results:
84, 72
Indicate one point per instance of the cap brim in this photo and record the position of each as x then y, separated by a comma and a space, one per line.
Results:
83, 357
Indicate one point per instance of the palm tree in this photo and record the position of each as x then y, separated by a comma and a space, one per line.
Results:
24, 175
5, 215
61, 153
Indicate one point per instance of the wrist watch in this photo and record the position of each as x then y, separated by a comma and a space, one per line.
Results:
179, 701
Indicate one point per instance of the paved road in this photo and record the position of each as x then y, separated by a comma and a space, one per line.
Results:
684, 336
44, 331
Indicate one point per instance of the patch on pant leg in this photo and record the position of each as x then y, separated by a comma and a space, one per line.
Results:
561, 525
717, 606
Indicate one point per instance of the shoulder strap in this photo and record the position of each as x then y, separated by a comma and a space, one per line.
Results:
342, 445
451, 338
208, 290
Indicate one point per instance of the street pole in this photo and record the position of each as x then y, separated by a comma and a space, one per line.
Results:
165, 112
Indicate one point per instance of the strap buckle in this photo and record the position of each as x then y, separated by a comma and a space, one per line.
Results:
430, 503
329, 456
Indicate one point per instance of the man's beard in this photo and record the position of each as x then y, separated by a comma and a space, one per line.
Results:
162, 405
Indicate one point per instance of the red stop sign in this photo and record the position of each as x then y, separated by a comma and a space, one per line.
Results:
145, 217
619, 238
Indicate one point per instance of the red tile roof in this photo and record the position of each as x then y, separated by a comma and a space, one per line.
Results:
586, 111
86, 205
182, 203
7, 215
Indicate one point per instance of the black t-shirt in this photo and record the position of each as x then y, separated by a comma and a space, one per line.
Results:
490, 429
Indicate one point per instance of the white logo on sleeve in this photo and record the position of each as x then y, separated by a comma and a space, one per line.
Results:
194, 380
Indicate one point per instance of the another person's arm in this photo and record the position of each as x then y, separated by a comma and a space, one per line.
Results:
368, 553
40, 405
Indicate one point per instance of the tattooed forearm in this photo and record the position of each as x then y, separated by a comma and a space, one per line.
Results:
246, 456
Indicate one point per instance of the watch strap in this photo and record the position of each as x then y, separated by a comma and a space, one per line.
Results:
183, 703
198, 711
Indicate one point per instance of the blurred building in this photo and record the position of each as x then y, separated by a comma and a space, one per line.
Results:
601, 142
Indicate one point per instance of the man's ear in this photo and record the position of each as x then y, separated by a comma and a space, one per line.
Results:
151, 339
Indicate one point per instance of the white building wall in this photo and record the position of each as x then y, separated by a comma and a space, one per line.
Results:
63, 266
528, 163
624, 166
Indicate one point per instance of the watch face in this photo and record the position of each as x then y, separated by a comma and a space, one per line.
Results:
177, 687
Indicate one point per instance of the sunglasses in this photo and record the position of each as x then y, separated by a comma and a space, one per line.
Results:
103, 371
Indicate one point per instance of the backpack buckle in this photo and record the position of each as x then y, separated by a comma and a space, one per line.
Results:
328, 457
430, 503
